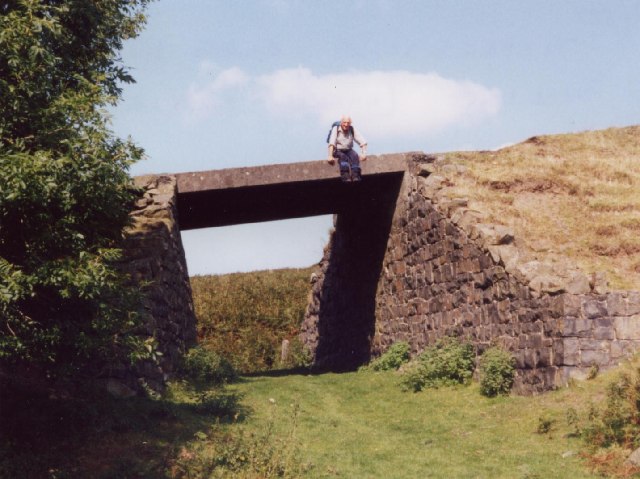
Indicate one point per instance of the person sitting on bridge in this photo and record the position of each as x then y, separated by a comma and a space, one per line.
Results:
341, 147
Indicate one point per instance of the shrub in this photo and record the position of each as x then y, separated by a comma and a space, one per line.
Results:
392, 358
448, 362
593, 372
202, 365
618, 423
573, 421
497, 372
545, 424
66, 311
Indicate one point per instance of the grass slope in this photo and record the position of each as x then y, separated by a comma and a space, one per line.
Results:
575, 196
362, 425
352, 425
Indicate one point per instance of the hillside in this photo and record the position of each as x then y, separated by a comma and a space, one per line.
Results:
246, 316
573, 196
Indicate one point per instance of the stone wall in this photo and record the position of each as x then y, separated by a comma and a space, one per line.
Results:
446, 273
597, 329
155, 258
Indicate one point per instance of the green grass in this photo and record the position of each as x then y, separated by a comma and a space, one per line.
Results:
351, 425
362, 425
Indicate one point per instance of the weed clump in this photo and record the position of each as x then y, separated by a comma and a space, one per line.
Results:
545, 424
611, 429
449, 362
497, 372
202, 365
618, 422
392, 359
221, 453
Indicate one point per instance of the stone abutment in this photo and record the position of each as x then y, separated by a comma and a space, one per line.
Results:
444, 273
154, 258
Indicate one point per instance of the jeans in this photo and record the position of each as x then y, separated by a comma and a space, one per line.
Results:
349, 163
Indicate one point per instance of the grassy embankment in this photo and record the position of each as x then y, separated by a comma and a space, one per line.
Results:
573, 196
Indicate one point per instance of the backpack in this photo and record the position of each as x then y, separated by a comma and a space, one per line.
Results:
335, 124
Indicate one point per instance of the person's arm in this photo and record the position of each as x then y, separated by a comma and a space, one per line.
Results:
359, 139
333, 137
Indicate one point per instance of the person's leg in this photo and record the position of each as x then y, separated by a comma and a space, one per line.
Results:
354, 163
343, 164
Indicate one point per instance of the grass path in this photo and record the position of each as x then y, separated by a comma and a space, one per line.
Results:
352, 425
361, 425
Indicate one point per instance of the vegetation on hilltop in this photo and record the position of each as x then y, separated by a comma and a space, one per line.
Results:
574, 195
246, 316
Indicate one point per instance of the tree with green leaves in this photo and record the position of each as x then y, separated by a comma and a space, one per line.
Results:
65, 191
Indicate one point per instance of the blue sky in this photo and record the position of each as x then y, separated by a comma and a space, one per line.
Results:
224, 84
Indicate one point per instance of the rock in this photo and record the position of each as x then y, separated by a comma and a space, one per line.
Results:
507, 255
503, 235
547, 283
467, 219
452, 169
627, 328
578, 284
495, 234
119, 390
284, 352
429, 185
454, 204
634, 458
599, 282
426, 169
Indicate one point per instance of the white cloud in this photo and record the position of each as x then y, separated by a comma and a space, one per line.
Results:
386, 103
389, 103
202, 100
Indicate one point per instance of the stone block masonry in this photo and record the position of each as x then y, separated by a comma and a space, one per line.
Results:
596, 330
154, 258
444, 273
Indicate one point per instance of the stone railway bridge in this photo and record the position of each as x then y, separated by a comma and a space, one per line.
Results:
404, 262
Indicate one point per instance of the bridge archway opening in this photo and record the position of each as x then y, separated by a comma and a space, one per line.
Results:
352, 263
293, 243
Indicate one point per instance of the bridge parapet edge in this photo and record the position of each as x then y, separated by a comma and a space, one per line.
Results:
198, 181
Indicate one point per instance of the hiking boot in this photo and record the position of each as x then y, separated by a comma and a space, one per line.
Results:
344, 176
